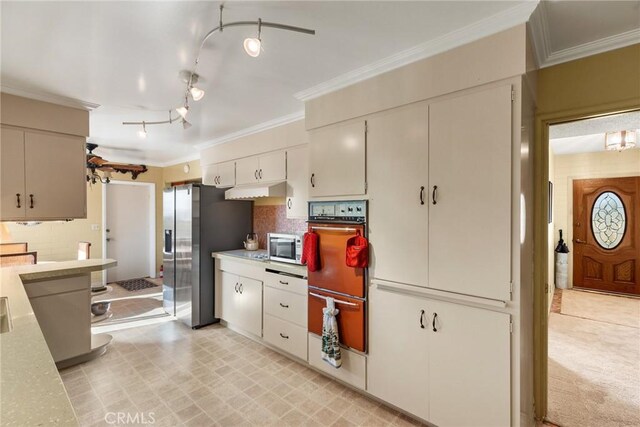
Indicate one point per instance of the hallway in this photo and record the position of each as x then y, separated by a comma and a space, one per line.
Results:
594, 360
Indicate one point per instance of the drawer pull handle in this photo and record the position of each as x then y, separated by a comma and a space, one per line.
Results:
240, 288
421, 318
422, 195
284, 305
283, 282
236, 286
18, 199
434, 195
31, 198
435, 316
260, 173
286, 337
313, 181
289, 204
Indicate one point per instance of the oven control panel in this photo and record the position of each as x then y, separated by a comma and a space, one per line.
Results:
350, 211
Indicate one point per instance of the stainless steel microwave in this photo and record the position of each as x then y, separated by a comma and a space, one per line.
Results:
284, 247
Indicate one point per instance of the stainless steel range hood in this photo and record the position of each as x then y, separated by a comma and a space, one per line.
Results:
245, 192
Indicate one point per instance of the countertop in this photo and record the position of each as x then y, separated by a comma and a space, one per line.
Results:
32, 390
250, 257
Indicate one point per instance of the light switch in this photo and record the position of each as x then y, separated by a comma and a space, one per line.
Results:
95, 227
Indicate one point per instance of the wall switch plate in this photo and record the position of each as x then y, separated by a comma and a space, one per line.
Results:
95, 227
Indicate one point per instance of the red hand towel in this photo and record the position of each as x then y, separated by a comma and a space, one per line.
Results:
310, 255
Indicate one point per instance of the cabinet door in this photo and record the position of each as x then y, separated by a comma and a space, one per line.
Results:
397, 152
469, 366
66, 195
248, 306
226, 174
337, 160
13, 201
247, 170
229, 294
210, 174
272, 167
397, 362
470, 221
297, 182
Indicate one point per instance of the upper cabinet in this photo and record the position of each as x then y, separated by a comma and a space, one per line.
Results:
268, 167
337, 160
297, 185
220, 174
397, 151
27, 194
470, 193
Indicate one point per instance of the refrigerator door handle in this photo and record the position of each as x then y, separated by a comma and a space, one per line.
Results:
168, 242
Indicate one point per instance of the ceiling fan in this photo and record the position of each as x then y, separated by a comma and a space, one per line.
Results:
97, 163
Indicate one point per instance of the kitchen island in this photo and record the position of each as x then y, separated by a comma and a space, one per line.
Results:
32, 390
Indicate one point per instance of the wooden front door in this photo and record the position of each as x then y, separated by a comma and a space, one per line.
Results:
606, 234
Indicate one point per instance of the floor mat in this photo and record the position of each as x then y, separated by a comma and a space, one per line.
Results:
136, 284
619, 310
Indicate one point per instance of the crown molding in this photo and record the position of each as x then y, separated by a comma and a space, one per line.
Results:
47, 97
493, 24
592, 48
539, 32
279, 121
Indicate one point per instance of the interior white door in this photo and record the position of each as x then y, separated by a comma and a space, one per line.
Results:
397, 150
470, 194
469, 366
128, 225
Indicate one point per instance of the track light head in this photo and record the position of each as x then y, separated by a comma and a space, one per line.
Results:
252, 46
196, 93
142, 133
185, 124
183, 110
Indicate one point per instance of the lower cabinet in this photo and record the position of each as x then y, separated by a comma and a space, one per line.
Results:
444, 362
242, 302
286, 336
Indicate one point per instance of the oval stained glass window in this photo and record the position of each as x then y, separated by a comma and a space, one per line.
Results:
608, 220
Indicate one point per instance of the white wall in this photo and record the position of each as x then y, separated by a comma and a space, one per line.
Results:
579, 166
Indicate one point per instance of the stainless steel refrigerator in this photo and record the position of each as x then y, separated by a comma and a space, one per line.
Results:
197, 221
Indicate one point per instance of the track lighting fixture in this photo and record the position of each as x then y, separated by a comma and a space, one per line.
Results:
142, 134
196, 93
253, 47
183, 110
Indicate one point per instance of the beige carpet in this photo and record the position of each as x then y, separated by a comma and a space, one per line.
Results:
601, 307
594, 361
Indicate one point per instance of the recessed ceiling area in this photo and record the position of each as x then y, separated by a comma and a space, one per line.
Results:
126, 57
587, 136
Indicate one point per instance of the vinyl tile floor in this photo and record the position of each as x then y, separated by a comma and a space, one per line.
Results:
166, 374
132, 305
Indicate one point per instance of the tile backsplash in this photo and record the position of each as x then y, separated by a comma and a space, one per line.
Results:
273, 219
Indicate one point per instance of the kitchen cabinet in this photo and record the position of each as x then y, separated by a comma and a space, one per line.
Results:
297, 184
337, 160
270, 167
470, 193
432, 358
220, 174
27, 194
398, 347
397, 150
241, 302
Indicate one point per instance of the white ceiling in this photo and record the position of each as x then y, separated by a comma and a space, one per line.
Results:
587, 136
125, 56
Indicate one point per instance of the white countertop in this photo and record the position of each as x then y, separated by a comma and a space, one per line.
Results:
32, 390
250, 257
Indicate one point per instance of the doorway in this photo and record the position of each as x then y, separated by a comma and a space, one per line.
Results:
593, 370
129, 227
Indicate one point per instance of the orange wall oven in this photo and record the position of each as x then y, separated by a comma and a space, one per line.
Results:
335, 223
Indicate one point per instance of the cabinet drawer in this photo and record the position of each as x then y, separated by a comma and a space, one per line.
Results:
286, 305
287, 283
245, 269
286, 336
352, 371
